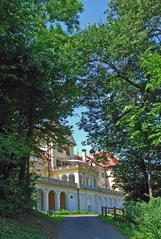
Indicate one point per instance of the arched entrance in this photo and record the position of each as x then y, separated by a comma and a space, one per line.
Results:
51, 201
63, 201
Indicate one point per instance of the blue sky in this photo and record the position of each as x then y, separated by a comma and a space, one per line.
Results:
93, 13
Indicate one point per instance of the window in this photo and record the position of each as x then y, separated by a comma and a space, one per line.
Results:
59, 149
58, 163
68, 151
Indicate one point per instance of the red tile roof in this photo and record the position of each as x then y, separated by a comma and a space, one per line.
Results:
106, 159
102, 159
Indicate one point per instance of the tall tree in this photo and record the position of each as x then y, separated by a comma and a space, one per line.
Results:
122, 92
38, 84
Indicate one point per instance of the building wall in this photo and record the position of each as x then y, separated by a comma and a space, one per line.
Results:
89, 200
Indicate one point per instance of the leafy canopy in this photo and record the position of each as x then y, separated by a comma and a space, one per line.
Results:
122, 92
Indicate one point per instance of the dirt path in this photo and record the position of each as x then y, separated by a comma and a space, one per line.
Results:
87, 227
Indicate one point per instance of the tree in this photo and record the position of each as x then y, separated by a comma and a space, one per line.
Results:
122, 92
38, 85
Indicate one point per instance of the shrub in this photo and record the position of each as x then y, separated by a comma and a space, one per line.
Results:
131, 212
150, 217
146, 217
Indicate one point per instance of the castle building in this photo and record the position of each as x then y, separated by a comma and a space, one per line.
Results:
73, 182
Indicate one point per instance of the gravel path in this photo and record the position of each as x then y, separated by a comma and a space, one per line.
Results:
86, 227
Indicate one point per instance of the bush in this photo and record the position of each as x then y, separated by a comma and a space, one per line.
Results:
150, 217
146, 217
131, 212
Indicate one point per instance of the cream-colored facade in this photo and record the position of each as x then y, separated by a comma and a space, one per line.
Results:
73, 183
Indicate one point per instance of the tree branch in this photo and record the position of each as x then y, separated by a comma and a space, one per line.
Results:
119, 73
123, 76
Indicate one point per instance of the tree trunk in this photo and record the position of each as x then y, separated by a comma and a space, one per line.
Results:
147, 175
23, 170
150, 186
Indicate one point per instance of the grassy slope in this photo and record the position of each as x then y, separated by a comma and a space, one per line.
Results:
29, 226
126, 230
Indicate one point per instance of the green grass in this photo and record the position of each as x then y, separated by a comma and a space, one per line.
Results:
66, 213
10, 229
129, 231
31, 225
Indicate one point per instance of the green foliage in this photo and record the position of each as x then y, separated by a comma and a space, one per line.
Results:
127, 230
62, 212
146, 217
122, 92
39, 86
141, 220
152, 65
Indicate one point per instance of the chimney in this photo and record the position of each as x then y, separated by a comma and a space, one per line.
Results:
84, 155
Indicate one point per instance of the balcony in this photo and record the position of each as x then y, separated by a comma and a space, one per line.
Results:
53, 181
71, 164
64, 167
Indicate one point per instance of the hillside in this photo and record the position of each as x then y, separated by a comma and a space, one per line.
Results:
28, 226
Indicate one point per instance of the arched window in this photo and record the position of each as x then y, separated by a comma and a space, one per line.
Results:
72, 178
64, 178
